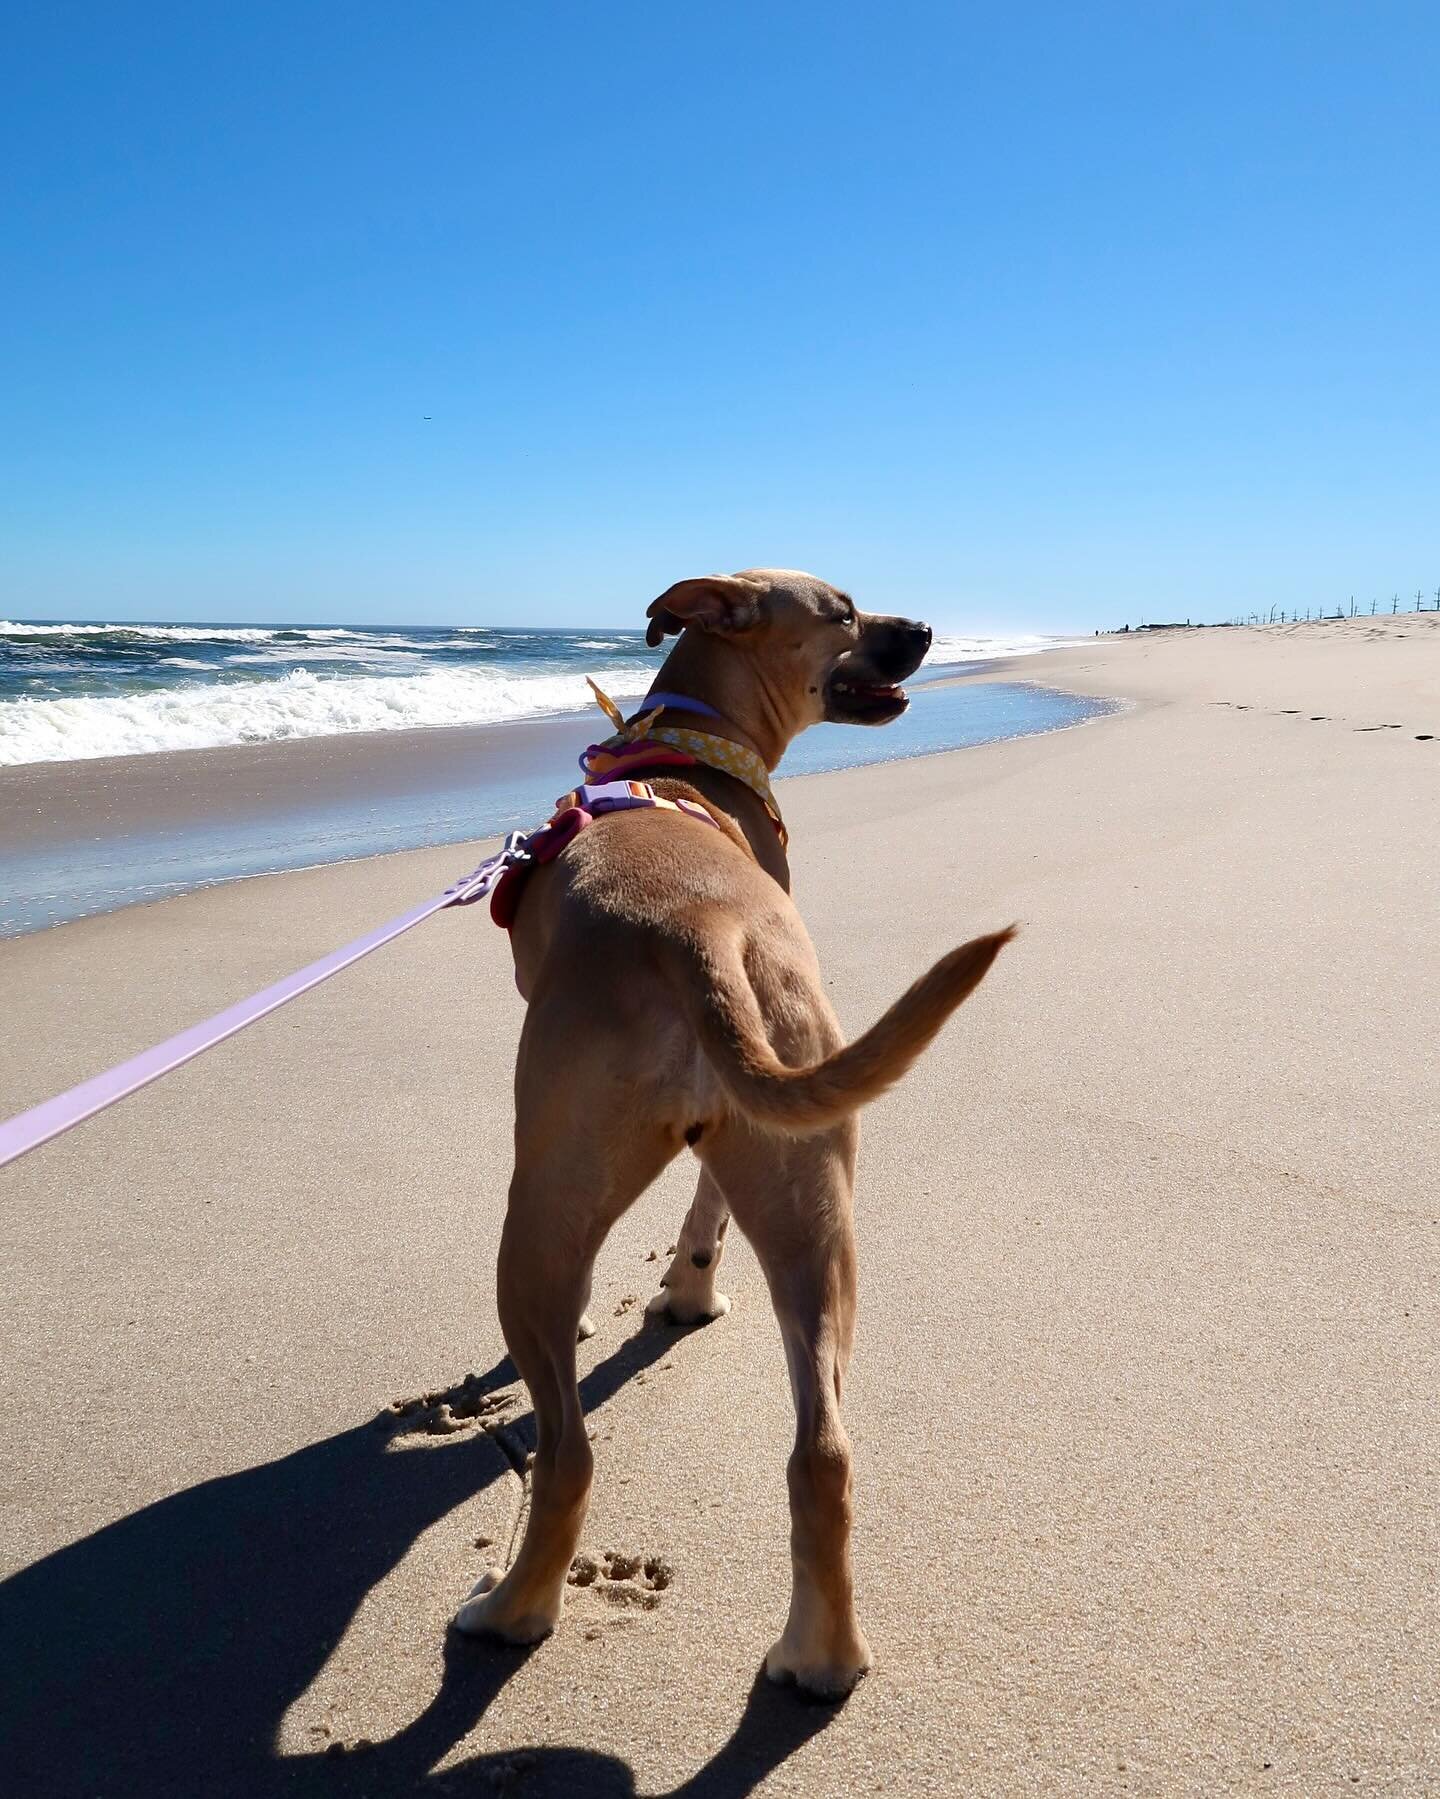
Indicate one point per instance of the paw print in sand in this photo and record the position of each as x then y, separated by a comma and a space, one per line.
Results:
442, 1413
622, 1579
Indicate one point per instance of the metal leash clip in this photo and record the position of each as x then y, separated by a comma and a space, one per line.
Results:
480, 881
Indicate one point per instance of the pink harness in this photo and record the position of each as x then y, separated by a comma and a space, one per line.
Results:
573, 811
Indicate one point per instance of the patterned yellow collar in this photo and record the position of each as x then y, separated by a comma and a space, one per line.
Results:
715, 752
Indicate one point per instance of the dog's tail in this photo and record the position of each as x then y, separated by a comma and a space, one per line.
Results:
728, 1022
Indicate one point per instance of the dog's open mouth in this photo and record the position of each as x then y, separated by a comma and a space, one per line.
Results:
853, 699
863, 687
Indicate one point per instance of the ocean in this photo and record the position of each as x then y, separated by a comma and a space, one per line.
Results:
484, 725
74, 691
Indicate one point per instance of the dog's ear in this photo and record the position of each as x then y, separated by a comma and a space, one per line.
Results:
728, 603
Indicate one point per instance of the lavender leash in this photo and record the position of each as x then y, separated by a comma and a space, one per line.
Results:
30, 1129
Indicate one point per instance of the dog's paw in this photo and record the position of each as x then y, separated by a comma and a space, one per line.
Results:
822, 1655
678, 1308
585, 1328
492, 1611
831, 1677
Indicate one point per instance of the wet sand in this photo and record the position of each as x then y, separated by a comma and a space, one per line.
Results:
1144, 1403
48, 803
86, 837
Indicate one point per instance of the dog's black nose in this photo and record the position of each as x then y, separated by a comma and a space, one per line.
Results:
925, 632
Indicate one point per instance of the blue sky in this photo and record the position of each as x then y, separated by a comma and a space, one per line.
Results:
1035, 316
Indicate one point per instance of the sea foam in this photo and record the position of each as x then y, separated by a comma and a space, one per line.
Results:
297, 704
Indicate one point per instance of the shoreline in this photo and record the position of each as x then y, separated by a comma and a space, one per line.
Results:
240, 812
90, 836
288, 755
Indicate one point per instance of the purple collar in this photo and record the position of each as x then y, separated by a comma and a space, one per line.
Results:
678, 703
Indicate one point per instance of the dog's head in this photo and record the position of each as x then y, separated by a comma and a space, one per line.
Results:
803, 646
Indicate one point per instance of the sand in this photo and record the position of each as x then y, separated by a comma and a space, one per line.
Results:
1145, 1399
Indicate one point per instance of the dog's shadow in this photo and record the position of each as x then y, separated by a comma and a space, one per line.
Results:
159, 1656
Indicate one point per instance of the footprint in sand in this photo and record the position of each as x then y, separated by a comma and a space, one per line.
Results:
466, 1404
621, 1579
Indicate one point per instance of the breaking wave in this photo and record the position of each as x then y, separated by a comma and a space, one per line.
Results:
72, 692
298, 704
949, 647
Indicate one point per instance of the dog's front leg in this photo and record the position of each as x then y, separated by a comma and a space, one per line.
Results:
687, 1290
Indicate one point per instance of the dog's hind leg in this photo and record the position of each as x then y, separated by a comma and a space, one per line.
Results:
575, 1174
792, 1198
687, 1290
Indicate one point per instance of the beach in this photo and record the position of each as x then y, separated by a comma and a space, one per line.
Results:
1144, 1401
87, 836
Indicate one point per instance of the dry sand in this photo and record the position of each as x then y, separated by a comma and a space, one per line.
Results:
1145, 1400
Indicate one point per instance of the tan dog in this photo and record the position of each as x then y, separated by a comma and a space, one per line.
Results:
674, 997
